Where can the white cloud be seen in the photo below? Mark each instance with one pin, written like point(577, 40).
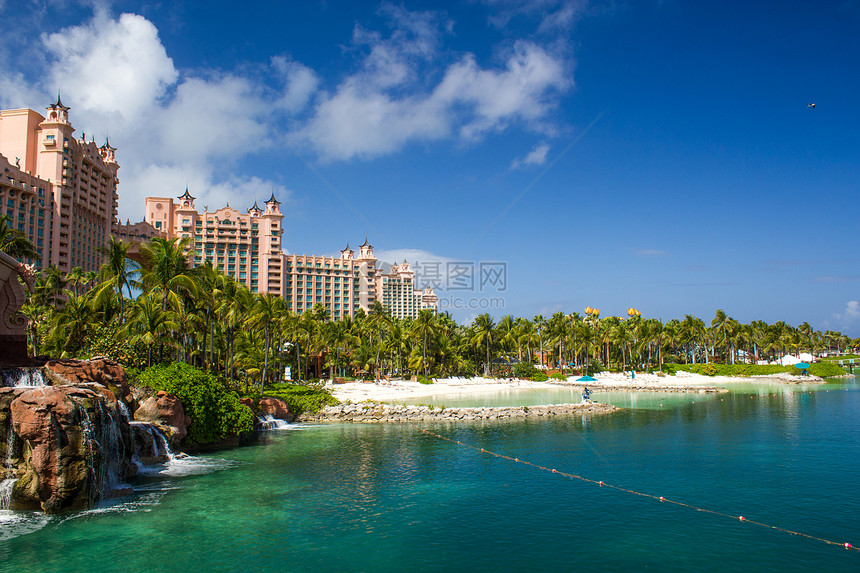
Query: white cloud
point(16, 92)
point(171, 129)
point(849, 318)
point(521, 91)
point(537, 156)
point(174, 127)
point(116, 69)
point(211, 118)
point(365, 119)
point(155, 180)
point(300, 83)
point(553, 15)
point(410, 255)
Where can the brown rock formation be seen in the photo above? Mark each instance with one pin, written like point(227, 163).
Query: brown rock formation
point(277, 408)
point(103, 371)
point(166, 411)
point(70, 444)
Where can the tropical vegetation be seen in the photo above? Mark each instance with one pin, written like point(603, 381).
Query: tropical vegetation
point(156, 308)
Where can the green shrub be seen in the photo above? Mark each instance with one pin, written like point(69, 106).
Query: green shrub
point(215, 412)
point(825, 369)
point(524, 370)
point(539, 376)
point(424, 380)
point(301, 398)
point(558, 376)
point(746, 370)
point(709, 369)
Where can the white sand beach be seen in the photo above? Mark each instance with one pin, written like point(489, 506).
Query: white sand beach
point(397, 390)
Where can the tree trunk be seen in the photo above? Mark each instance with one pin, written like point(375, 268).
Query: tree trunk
point(265, 362)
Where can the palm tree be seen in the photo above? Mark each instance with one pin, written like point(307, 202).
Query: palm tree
point(150, 324)
point(559, 326)
point(527, 337)
point(693, 333)
point(265, 315)
point(540, 323)
point(425, 326)
point(71, 325)
point(719, 328)
point(15, 243)
point(484, 329)
point(378, 318)
point(167, 270)
point(506, 333)
point(75, 277)
point(117, 271)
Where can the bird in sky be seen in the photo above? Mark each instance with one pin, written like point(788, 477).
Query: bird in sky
point(810, 105)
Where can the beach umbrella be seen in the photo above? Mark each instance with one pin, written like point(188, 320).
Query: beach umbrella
point(586, 379)
point(802, 365)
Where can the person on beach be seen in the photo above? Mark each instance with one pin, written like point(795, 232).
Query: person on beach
point(586, 394)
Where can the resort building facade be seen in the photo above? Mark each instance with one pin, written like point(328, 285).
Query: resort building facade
point(397, 291)
point(248, 247)
point(61, 192)
point(245, 246)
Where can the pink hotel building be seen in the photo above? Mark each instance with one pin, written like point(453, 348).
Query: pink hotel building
point(248, 247)
point(58, 190)
point(61, 192)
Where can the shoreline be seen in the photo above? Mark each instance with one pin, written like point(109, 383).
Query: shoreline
point(383, 401)
point(396, 391)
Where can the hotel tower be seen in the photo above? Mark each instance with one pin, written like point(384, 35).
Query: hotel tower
point(58, 190)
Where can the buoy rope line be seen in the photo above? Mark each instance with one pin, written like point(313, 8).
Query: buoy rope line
point(659, 498)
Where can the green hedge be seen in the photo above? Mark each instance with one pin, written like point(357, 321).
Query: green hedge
point(744, 370)
point(215, 411)
point(300, 398)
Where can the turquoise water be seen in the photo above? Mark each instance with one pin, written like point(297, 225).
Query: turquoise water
point(559, 395)
point(390, 498)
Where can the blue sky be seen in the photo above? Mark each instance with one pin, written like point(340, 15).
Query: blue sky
point(659, 155)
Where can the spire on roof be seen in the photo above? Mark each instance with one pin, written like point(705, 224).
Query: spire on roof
point(255, 207)
point(186, 195)
point(366, 243)
point(273, 200)
point(108, 147)
point(59, 104)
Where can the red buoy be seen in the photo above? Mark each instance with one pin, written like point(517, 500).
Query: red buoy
point(742, 518)
point(600, 483)
point(847, 546)
point(662, 498)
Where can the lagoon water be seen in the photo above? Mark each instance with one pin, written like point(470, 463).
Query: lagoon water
point(391, 498)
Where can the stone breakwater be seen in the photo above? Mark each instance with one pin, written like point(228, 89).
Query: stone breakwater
point(366, 412)
point(603, 387)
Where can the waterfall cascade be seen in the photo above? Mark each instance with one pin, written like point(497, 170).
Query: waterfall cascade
point(105, 452)
point(6, 492)
point(22, 377)
point(7, 484)
point(269, 422)
point(150, 444)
